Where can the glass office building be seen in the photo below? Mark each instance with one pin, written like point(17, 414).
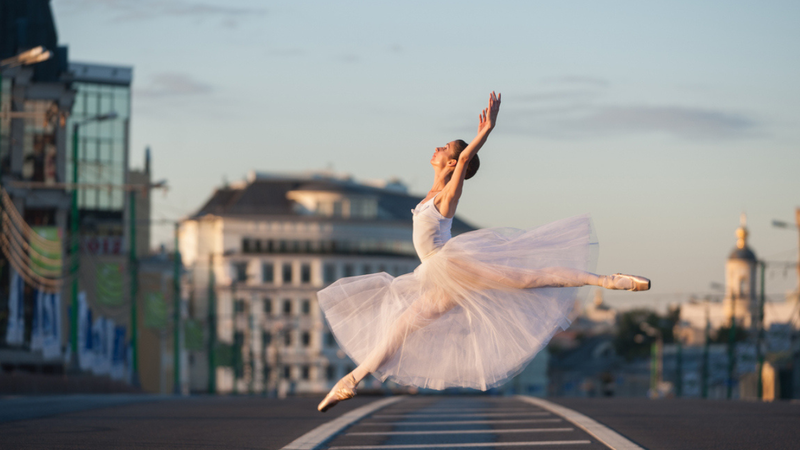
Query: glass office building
point(102, 145)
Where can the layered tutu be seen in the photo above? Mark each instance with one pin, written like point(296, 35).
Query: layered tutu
point(488, 330)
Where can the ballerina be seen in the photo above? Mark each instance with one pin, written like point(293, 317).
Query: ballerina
point(479, 306)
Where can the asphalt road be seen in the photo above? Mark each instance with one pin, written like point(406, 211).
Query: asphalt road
point(102, 422)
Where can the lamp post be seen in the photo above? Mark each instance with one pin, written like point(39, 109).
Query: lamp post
point(782, 224)
point(74, 237)
point(656, 351)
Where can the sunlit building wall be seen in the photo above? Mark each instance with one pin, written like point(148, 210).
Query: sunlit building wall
point(271, 243)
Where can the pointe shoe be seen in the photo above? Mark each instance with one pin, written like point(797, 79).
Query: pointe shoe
point(639, 283)
point(343, 390)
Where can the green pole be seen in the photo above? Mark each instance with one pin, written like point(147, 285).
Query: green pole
point(212, 329)
point(74, 252)
point(653, 368)
point(704, 385)
point(760, 335)
point(731, 350)
point(176, 335)
point(679, 375)
point(134, 286)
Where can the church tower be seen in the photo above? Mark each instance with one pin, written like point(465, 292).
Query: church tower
point(740, 281)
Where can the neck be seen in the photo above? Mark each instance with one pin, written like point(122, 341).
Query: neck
point(440, 180)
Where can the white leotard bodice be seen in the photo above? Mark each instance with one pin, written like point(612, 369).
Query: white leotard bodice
point(431, 229)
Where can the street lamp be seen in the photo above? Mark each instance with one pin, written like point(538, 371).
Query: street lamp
point(32, 56)
point(782, 224)
point(74, 251)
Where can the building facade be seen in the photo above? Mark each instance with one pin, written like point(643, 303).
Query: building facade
point(256, 254)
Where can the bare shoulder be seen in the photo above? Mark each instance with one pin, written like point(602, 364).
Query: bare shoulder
point(446, 204)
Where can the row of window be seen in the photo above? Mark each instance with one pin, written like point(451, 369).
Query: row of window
point(286, 307)
point(336, 247)
point(329, 271)
point(305, 339)
point(304, 372)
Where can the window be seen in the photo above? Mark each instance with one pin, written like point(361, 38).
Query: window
point(240, 271)
point(330, 341)
point(349, 270)
point(238, 305)
point(287, 306)
point(366, 268)
point(266, 338)
point(330, 373)
point(305, 273)
point(267, 372)
point(257, 245)
point(306, 307)
point(246, 245)
point(306, 339)
point(287, 372)
point(306, 372)
point(287, 338)
point(382, 268)
point(268, 306)
point(287, 272)
point(329, 273)
point(268, 273)
point(283, 246)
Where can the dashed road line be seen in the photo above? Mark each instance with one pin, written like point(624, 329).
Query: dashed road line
point(414, 416)
point(490, 431)
point(322, 433)
point(602, 433)
point(460, 422)
point(460, 445)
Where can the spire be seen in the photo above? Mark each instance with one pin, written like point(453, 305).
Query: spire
point(147, 159)
point(741, 232)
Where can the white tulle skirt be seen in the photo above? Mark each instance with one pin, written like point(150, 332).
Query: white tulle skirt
point(473, 326)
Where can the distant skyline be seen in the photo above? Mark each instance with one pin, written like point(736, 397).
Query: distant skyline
point(664, 121)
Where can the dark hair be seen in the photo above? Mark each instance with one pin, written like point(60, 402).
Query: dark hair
point(474, 163)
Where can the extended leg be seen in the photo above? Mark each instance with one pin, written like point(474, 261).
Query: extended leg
point(497, 277)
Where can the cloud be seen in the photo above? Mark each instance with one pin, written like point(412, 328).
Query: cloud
point(678, 121)
point(133, 10)
point(173, 84)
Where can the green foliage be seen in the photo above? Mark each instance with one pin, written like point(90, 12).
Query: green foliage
point(629, 326)
point(722, 335)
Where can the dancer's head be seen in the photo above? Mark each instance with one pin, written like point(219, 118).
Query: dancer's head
point(446, 158)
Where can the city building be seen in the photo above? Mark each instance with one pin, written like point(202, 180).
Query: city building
point(257, 252)
point(740, 300)
point(35, 101)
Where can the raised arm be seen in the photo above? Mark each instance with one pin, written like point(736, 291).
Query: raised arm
point(452, 191)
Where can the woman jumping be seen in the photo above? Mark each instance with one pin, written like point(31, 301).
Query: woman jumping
point(479, 307)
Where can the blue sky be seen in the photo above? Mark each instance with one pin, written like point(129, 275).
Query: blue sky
point(664, 121)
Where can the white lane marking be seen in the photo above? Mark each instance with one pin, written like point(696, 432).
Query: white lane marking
point(322, 433)
point(414, 416)
point(602, 433)
point(476, 445)
point(488, 431)
point(462, 410)
point(458, 422)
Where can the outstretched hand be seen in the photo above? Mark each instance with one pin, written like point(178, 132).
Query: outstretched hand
point(488, 117)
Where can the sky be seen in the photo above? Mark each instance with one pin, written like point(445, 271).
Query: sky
point(664, 121)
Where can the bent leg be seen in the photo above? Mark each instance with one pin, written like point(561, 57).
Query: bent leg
point(420, 314)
